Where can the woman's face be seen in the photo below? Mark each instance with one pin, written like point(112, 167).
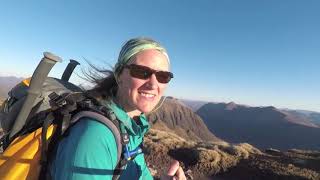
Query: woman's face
point(142, 94)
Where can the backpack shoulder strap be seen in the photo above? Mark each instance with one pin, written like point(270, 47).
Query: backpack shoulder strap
point(71, 108)
point(107, 122)
point(88, 107)
point(112, 123)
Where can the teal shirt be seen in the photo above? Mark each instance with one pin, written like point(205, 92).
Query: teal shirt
point(90, 150)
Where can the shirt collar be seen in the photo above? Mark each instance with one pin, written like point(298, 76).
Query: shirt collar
point(128, 122)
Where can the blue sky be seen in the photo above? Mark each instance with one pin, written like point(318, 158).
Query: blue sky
point(258, 53)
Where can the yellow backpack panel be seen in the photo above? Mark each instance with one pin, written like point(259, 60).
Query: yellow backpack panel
point(21, 160)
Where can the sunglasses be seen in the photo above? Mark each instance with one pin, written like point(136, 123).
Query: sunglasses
point(143, 72)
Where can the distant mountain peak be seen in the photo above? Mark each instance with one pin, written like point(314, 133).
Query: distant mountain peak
point(231, 106)
point(6, 83)
point(270, 108)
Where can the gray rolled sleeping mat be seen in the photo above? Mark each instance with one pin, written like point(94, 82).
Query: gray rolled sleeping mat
point(34, 91)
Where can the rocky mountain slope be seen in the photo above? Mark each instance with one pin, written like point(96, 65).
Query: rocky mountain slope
point(224, 161)
point(181, 120)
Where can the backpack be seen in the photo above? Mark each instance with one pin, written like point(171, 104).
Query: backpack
point(39, 112)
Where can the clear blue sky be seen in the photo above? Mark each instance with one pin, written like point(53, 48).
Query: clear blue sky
point(251, 52)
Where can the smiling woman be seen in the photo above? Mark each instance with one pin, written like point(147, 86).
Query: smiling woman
point(138, 93)
point(133, 88)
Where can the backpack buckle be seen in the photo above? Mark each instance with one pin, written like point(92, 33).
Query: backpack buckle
point(56, 100)
point(130, 155)
point(125, 138)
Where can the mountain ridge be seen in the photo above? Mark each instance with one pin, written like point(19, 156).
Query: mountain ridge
point(263, 127)
point(6, 83)
point(182, 119)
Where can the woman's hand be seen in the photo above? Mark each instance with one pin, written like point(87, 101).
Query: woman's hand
point(175, 172)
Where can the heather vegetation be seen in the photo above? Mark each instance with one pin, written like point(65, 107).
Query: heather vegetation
point(222, 160)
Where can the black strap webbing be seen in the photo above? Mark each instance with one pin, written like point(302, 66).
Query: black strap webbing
point(44, 146)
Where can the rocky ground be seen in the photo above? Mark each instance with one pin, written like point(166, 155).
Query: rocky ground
point(221, 160)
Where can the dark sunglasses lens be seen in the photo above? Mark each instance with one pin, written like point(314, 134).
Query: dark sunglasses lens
point(140, 72)
point(143, 72)
point(163, 77)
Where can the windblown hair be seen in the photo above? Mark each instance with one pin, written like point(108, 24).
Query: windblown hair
point(105, 84)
